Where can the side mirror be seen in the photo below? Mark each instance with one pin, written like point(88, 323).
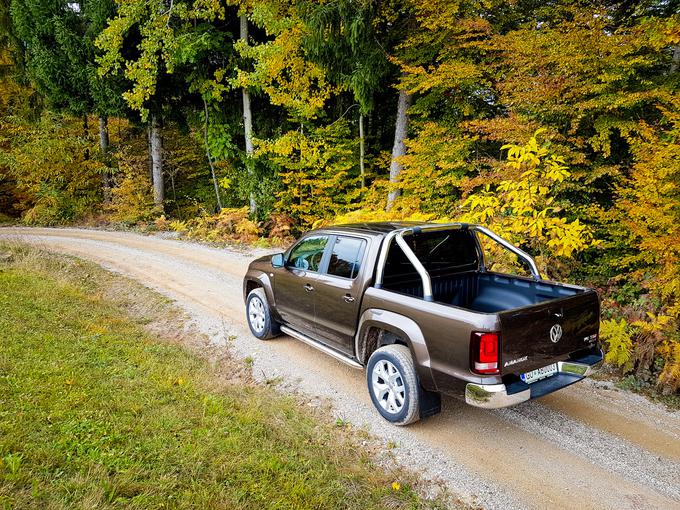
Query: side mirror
point(277, 260)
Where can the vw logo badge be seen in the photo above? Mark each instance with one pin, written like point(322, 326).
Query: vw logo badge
point(555, 333)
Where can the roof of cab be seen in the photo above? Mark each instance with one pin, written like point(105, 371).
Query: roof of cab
point(376, 228)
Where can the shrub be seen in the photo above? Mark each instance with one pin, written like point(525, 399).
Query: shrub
point(131, 198)
point(53, 167)
point(230, 225)
point(617, 336)
point(525, 207)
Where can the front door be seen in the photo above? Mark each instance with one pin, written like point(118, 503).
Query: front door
point(295, 284)
point(338, 293)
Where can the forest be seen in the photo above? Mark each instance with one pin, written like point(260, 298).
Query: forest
point(556, 123)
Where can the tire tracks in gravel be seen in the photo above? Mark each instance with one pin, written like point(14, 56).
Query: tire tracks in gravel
point(585, 446)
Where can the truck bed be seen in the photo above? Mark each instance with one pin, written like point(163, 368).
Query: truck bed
point(484, 291)
point(527, 310)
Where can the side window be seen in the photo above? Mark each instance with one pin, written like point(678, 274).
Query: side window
point(346, 257)
point(308, 253)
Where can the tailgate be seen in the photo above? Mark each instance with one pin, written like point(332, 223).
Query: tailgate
point(535, 336)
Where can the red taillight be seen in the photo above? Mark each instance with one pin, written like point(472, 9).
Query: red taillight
point(485, 349)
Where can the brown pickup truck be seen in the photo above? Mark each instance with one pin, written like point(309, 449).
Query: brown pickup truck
point(416, 306)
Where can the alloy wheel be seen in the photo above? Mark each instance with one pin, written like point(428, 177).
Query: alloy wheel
point(388, 386)
point(256, 314)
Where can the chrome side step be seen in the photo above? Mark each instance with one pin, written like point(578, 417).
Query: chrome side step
point(318, 345)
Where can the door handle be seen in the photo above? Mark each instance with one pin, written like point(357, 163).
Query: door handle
point(348, 298)
point(308, 287)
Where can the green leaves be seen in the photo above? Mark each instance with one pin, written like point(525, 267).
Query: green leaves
point(344, 38)
point(60, 53)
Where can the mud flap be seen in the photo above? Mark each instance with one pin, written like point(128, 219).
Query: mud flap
point(430, 402)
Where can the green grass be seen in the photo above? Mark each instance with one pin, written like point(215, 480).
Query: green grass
point(96, 412)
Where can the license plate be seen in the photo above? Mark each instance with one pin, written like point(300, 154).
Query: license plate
point(539, 373)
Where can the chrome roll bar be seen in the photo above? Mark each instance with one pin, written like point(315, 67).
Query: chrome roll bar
point(401, 242)
point(424, 275)
point(510, 247)
point(399, 234)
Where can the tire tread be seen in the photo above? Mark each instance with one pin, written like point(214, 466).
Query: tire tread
point(402, 354)
point(271, 326)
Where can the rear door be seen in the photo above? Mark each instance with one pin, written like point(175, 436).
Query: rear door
point(295, 284)
point(538, 335)
point(338, 293)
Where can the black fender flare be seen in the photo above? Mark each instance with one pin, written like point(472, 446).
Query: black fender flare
point(261, 279)
point(406, 329)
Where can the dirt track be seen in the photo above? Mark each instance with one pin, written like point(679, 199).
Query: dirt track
point(588, 446)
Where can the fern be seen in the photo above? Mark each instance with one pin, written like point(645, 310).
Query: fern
point(620, 344)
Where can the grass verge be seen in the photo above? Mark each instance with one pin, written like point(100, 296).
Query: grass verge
point(101, 407)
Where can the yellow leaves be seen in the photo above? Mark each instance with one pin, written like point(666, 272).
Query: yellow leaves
point(536, 227)
point(368, 215)
point(419, 80)
point(484, 205)
point(670, 375)
point(655, 323)
point(209, 9)
point(155, 51)
point(567, 238)
point(647, 216)
point(131, 199)
point(177, 226)
point(317, 170)
point(49, 165)
point(659, 333)
point(617, 335)
point(523, 207)
point(433, 168)
point(281, 70)
point(219, 75)
point(231, 225)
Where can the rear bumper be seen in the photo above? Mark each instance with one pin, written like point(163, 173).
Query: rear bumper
point(493, 396)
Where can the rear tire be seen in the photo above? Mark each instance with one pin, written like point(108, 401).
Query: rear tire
point(259, 316)
point(393, 384)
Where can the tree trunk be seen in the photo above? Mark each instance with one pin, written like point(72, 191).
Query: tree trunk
point(86, 133)
point(157, 161)
point(399, 148)
point(247, 118)
point(148, 146)
point(210, 160)
point(675, 63)
point(362, 151)
point(104, 147)
point(104, 134)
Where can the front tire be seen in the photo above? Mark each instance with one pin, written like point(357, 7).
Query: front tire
point(393, 384)
point(259, 316)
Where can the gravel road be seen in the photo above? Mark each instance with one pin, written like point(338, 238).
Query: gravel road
point(587, 446)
